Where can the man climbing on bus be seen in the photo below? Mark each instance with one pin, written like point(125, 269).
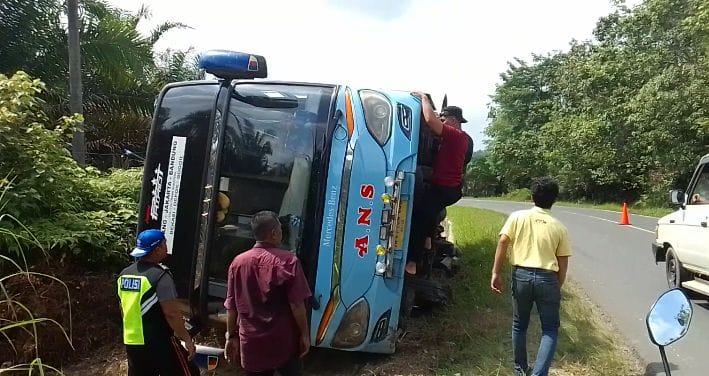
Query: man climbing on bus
point(446, 183)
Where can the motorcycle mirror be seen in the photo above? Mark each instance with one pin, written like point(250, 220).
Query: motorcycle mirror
point(668, 321)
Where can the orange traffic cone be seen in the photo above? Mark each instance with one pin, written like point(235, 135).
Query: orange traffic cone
point(624, 217)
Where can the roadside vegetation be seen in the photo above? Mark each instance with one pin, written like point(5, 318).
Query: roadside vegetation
point(623, 117)
point(22, 326)
point(524, 195)
point(478, 325)
point(64, 228)
point(61, 227)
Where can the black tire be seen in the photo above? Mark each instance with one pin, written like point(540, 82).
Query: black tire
point(408, 296)
point(674, 271)
point(442, 215)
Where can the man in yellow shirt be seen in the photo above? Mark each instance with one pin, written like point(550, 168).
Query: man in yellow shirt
point(539, 250)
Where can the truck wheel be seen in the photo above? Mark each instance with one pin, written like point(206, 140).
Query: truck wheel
point(676, 273)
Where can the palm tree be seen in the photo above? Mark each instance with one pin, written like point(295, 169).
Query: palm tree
point(78, 143)
point(121, 71)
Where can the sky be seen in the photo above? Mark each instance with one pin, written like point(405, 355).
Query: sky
point(453, 47)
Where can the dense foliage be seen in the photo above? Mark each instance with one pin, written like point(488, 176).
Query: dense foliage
point(121, 71)
point(78, 212)
point(71, 210)
point(622, 117)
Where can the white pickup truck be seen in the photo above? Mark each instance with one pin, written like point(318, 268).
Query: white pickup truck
point(682, 237)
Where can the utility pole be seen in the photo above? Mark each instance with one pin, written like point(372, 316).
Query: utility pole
point(78, 142)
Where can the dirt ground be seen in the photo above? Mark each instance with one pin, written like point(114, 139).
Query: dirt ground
point(412, 358)
point(94, 329)
point(417, 354)
point(89, 321)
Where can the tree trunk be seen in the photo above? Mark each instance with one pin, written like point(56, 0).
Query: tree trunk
point(78, 142)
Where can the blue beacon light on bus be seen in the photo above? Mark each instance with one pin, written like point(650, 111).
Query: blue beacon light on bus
point(233, 65)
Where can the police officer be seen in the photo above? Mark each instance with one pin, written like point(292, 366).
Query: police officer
point(152, 317)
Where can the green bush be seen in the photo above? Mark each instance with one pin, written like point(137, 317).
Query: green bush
point(119, 183)
point(46, 179)
point(72, 211)
point(522, 194)
point(102, 233)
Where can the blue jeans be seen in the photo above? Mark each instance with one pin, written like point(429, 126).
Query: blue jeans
point(540, 287)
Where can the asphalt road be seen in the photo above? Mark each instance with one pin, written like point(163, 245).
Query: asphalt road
point(614, 265)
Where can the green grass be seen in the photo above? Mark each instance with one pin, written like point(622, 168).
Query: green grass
point(617, 207)
point(478, 323)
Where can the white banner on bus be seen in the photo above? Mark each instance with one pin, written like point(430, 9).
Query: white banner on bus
point(172, 189)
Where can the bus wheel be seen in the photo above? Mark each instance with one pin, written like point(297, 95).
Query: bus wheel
point(442, 215)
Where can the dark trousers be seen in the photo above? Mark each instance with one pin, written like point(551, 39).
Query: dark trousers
point(167, 358)
point(425, 215)
point(293, 367)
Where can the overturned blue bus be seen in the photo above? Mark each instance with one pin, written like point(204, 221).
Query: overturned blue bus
point(339, 164)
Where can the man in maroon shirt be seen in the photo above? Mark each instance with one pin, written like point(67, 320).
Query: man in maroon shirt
point(447, 179)
point(265, 302)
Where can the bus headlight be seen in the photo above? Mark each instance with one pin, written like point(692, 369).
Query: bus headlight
point(389, 181)
point(377, 115)
point(353, 327)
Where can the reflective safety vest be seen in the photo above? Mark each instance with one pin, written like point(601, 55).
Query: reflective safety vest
point(143, 319)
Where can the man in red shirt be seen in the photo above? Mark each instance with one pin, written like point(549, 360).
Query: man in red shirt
point(267, 323)
point(447, 179)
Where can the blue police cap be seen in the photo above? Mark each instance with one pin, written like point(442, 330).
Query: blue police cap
point(148, 240)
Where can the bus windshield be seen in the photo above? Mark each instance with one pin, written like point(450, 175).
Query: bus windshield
point(270, 140)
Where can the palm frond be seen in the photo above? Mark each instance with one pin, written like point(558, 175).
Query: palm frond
point(163, 28)
point(30, 32)
point(116, 52)
point(142, 14)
